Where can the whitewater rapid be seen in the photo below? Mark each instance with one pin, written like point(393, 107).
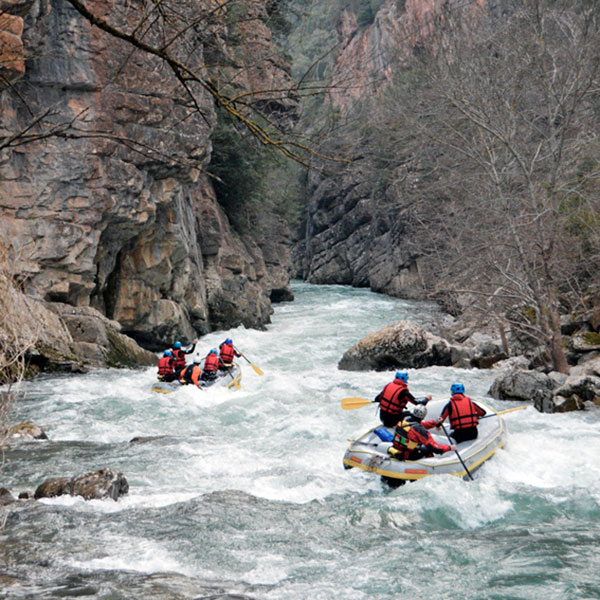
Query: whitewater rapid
point(243, 493)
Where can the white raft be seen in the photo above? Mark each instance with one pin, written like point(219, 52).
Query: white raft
point(230, 379)
point(370, 452)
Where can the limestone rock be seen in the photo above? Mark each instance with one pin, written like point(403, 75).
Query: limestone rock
point(27, 430)
point(401, 345)
point(101, 484)
point(6, 497)
point(521, 385)
point(140, 238)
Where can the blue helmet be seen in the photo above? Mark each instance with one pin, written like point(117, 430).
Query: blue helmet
point(167, 353)
point(229, 341)
point(177, 345)
point(402, 375)
point(213, 351)
point(457, 388)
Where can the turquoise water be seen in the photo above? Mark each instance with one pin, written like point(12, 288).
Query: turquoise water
point(242, 494)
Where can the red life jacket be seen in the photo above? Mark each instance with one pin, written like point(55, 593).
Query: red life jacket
point(463, 413)
point(388, 398)
point(165, 366)
point(211, 363)
point(226, 353)
point(178, 359)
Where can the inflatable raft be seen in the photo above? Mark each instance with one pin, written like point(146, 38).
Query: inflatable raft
point(230, 379)
point(369, 452)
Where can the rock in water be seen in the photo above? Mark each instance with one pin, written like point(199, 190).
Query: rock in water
point(96, 485)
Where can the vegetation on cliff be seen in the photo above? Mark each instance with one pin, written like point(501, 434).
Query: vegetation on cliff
point(480, 142)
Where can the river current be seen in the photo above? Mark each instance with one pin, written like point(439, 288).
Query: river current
point(242, 494)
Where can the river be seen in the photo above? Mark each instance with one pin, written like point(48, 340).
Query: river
point(242, 494)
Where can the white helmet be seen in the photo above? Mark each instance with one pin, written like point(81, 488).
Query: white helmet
point(419, 411)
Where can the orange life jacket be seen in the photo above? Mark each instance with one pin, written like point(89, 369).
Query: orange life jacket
point(211, 363)
point(190, 374)
point(464, 413)
point(388, 398)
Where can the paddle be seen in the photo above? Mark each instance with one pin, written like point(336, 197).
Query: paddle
point(502, 412)
point(457, 454)
point(234, 381)
point(352, 403)
point(257, 370)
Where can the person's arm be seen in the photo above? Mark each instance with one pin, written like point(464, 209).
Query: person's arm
point(444, 414)
point(480, 412)
point(410, 398)
point(192, 348)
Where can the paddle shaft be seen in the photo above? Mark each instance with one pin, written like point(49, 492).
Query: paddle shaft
point(502, 412)
point(457, 454)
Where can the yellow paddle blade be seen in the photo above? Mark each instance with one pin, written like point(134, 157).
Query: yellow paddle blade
point(257, 370)
point(161, 390)
point(352, 403)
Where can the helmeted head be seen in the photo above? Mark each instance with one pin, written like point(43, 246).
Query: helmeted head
point(457, 388)
point(197, 360)
point(167, 353)
point(419, 412)
point(213, 351)
point(177, 345)
point(402, 376)
point(229, 341)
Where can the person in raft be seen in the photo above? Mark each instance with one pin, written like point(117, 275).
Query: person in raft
point(179, 355)
point(211, 365)
point(412, 440)
point(227, 353)
point(463, 413)
point(393, 399)
point(192, 373)
point(166, 369)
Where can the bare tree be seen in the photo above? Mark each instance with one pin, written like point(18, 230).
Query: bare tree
point(15, 343)
point(500, 131)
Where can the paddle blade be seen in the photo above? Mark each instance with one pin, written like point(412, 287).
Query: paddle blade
point(161, 390)
point(256, 369)
point(352, 403)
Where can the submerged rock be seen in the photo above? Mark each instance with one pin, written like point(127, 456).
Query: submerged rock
point(104, 483)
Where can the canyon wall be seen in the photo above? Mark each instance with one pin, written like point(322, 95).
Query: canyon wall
point(111, 207)
point(357, 232)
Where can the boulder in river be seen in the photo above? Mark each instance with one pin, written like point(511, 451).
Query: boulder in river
point(402, 345)
point(28, 430)
point(104, 483)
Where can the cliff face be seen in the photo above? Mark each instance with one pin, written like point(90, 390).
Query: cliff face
point(132, 229)
point(354, 233)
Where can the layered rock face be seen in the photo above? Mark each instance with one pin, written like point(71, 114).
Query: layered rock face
point(354, 234)
point(132, 229)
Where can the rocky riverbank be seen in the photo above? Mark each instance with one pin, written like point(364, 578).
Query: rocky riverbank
point(521, 375)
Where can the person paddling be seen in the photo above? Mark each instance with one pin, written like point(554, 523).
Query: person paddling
point(179, 355)
point(393, 399)
point(211, 365)
point(166, 369)
point(192, 373)
point(412, 440)
point(463, 413)
point(227, 353)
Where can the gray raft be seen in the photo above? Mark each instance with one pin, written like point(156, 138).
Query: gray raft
point(231, 379)
point(369, 452)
